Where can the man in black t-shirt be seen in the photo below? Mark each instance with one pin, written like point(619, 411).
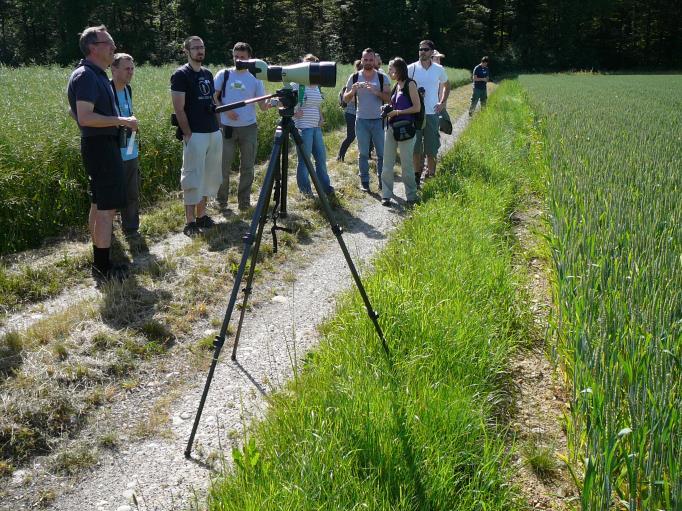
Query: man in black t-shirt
point(92, 105)
point(192, 92)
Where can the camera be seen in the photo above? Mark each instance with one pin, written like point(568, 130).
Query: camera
point(305, 73)
point(123, 136)
point(385, 110)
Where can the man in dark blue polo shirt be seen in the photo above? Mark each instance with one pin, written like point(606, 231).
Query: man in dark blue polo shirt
point(480, 77)
point(93, 106)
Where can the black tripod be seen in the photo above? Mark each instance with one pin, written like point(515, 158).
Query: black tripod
point(275, 178)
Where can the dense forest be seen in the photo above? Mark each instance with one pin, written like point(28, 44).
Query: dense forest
point(517, 34)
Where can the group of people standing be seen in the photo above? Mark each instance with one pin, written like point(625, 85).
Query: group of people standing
point(103, 109)
point(368, 90)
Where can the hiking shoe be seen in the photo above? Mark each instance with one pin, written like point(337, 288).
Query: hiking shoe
point(364, 186)
point(205, 222)
point(191, 229)
point(244, 207)
point(386, 202)
point(131, 235)
point(331, 190)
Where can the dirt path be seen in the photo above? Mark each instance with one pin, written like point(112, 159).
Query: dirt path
point(540, 400)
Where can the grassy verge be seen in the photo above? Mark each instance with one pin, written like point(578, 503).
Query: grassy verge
point(425, 427)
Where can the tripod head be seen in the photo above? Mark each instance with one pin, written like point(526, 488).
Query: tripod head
point(288, 98)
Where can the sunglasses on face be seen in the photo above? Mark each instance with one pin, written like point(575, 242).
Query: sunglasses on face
point(424, 49)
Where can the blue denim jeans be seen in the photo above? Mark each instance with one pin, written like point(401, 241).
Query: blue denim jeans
point(313, 144)
point(366, 130)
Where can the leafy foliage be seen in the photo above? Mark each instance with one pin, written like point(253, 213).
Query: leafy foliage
point(530, 34)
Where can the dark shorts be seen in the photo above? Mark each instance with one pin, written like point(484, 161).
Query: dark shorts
point(102, 161)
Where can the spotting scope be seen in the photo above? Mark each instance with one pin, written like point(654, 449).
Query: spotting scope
point(305, 73)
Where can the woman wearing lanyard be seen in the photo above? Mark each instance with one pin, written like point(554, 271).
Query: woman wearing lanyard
point(122, 70)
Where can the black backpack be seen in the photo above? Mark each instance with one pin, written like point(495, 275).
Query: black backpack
point(343, 104)
point(225, 79)
point(420, 119)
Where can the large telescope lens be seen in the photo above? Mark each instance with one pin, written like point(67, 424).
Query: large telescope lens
point(323, 74)
point(306, 73)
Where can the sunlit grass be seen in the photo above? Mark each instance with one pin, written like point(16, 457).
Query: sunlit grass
point(422, 428)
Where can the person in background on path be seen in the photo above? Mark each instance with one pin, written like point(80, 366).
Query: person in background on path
point(370, 94)
point(202, 144)
point(308, 119)
point(405, 105)
point(122, 70)
point(92, 105)
point(480, 77)
point(239, 125)
point(430, 76)
point(349, 114)
point(378, 63)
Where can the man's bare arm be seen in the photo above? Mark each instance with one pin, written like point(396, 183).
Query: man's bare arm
point(87, 116)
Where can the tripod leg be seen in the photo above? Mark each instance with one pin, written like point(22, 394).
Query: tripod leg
point(249, 280)
point(336, 229)
point(249, 238)
point(284, 176)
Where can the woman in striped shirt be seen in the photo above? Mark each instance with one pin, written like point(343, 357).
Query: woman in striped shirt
point(308, 119)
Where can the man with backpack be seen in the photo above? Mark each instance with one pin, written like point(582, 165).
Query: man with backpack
point(239, 125)
point(369, 89)
point(192, 93)
point(429, 76)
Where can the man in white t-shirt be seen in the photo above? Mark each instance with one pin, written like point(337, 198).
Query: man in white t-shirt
point(430, 76)
point(239, 125)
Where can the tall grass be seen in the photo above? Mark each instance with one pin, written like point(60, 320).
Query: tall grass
point(423, 428)
point(615, 150)
point(43, 187)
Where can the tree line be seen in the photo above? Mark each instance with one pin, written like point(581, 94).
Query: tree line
point(516, 34)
